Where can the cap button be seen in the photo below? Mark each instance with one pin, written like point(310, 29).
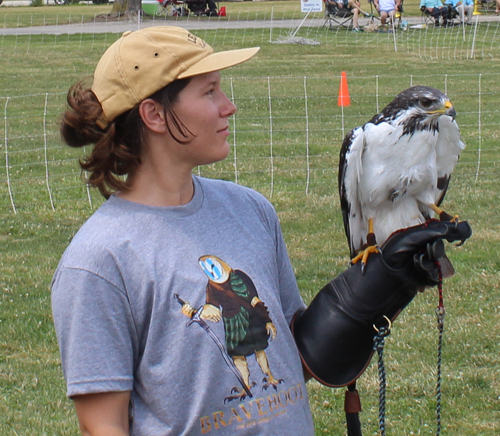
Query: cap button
point(128, 32)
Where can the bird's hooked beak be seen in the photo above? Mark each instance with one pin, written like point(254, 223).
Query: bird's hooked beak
point(446, 109)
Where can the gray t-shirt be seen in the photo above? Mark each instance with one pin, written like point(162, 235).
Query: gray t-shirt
point(120, 328)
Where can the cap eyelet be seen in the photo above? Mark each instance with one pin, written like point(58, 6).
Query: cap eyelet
point(156, 55)
point(136, 68)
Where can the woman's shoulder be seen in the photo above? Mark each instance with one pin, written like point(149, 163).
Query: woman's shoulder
point(231, 189)
point(97, 238)
point(221, 195)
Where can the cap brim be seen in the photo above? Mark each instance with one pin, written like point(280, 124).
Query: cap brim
point(219, 61)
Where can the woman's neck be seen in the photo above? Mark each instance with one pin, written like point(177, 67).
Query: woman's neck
point(160, 183)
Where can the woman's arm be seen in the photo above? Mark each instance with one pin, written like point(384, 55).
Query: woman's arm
point(104, 414)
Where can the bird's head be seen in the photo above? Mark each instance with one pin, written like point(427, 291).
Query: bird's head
point(215, 268)
point(418, 108)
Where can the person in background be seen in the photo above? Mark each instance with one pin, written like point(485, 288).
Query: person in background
point(353, 6)
point(463, 8)
point(387, 9)
point(435, 9)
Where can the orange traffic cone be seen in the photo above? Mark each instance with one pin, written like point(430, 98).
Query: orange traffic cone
point(344, 99)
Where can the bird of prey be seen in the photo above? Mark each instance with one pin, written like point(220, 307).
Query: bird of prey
point(394, 170)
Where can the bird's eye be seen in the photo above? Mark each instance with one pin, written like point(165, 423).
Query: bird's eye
point(426, 103)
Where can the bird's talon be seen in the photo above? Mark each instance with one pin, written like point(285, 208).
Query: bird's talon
point(363, 266)
point(271, 382)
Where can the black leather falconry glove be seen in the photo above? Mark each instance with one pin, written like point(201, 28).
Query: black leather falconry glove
point(335, 333)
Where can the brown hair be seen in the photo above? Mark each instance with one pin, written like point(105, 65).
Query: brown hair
point(117, 149)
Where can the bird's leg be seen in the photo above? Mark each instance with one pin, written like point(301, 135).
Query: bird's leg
point(443, 216)
point(240, 394)
point(269, 380)
point(371, 247)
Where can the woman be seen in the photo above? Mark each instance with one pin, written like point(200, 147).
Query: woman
point(168, 247)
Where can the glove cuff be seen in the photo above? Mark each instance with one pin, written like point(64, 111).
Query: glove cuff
point(335, 333)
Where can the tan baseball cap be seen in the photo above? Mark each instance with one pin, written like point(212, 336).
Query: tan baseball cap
point(143, 62)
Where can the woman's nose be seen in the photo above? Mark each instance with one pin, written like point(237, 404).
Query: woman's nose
point(228, 107)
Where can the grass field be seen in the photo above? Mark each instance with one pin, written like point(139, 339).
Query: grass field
point(272, 93)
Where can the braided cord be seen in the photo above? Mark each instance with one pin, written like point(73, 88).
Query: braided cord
point(440, 312)
point(378, 345)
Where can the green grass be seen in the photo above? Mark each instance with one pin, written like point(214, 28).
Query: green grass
point(36, 72)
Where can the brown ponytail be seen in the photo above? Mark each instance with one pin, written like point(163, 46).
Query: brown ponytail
point(117, 149)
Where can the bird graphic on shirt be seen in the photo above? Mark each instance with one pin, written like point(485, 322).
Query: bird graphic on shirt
point(394, 170)
point(231, 296)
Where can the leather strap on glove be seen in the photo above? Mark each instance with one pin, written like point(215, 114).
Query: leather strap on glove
point(335, 333)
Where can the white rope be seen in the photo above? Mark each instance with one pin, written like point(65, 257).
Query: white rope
point(300, 25)
point(271, 158)
point(271, 25)
point(87, 186)
point(479, 145)
point(393, 22)
point(7, 169)
point(235, 154)
point(474, 38)
point(307, 136)
point(45, 152)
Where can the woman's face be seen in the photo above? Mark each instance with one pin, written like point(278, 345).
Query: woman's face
point(204, 109)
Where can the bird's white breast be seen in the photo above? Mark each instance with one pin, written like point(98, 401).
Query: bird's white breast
point(396, 166)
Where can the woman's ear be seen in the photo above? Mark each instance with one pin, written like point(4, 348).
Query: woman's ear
point(153, 115)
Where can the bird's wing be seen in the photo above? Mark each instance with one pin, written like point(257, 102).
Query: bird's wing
point(350, 170)
point(448, 149)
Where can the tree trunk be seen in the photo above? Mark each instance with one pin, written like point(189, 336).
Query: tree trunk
point(126, 7)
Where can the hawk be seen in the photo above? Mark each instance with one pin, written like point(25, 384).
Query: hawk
point(394, 170)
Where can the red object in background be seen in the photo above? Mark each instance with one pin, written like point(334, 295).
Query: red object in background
point(222, 11)
point(344, 99)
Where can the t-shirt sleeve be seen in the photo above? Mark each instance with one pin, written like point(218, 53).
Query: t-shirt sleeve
point(95, 331)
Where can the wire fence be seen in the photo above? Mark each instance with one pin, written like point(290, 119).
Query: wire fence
point(288, 130)
point(286, 135)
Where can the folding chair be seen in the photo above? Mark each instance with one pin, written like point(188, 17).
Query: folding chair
point(427, 18)
point(397, 17)
point(336, 16)
point(373, 10)
point(453, 16)
point(486, 5)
